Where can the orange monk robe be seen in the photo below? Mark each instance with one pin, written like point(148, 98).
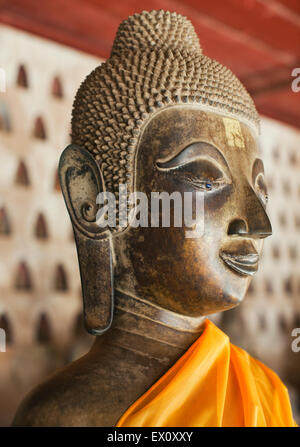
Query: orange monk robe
point(214, 384)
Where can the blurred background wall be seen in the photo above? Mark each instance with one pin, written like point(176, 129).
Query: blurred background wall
point(46, 51)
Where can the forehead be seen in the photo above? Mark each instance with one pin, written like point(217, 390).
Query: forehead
point(174, 128)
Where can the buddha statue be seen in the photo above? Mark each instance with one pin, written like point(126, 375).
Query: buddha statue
point(159, 116)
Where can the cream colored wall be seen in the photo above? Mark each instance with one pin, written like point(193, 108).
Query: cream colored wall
point(43, 61)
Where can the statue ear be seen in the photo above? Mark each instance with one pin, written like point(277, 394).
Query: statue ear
point(81, 181)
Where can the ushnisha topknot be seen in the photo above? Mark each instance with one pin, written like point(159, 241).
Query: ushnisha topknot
point(158, 30)
point(156, 61)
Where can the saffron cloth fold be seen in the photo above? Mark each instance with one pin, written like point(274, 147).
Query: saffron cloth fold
point(214, 384)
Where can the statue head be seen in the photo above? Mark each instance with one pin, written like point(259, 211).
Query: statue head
point(159, 116)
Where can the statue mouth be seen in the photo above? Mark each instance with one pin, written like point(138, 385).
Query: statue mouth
point(244, 264)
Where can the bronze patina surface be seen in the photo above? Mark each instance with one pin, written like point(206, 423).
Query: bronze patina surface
point(147, 290)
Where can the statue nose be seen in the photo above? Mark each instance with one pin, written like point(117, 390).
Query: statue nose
point(260, 227)
point(237, 227)
point(251, 219)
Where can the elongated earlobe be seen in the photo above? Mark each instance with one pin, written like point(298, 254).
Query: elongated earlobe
point(96, 271)
point(81, 182)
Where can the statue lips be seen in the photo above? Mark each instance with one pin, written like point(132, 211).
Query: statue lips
point(243, 259)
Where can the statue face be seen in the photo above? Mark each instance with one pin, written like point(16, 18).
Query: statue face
point(185, 149)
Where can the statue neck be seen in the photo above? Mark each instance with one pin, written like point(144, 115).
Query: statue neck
point(150, 330)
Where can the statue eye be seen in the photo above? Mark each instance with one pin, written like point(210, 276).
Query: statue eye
point(203, 175)
point(261, 189)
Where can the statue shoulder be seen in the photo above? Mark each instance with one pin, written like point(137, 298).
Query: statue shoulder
point(87, 392)
point(67, 398)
